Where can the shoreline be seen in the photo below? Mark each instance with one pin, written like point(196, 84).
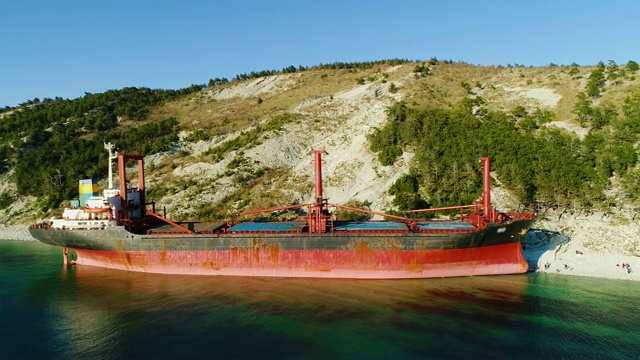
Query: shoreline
point(553, 253)
point(545, 250)
point(15, 233)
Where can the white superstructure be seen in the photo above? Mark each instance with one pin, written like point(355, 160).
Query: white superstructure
point(99, 212)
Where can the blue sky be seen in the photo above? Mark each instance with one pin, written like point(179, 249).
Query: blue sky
point(66, 48)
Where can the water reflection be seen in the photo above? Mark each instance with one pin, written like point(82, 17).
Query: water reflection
point(110, 289)
point(102, 311)
point(86, 312)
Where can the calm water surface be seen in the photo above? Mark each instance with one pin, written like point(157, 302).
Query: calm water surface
point(48, 311)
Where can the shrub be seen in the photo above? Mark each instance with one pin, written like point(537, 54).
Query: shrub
point(350, 215)
point(389, 155)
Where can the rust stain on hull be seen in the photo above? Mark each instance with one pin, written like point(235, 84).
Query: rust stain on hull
point(362, 262)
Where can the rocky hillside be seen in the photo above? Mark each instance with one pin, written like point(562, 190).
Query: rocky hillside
point(337, 116)
point(247, 144)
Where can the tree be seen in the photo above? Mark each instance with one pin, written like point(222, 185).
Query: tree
point(604, 116)
point(596, 80)
point(217, 82)
point(543, 116)
point(421, 70)
point(613, 72)
point(5, 154)
point(528, 124)
point(466, 86)
point(349, 215)
point(398, 111)
point(631, 111)
point(593, 90)
point(631, 185)
point(389, 155)
point(574, 70)
point(582, 108)
point(405, 190)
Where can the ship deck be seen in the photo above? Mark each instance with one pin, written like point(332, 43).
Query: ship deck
point(199, 227)
point(301, 226)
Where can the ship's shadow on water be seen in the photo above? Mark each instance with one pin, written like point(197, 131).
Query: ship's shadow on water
point(538, 242)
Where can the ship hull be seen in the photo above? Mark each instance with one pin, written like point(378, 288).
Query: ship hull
point(364, 264)
point(490, 251)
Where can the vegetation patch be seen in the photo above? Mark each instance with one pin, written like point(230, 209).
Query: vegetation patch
point(545, 165)
point(353, 215)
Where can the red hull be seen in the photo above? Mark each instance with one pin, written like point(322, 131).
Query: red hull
point(360, 264)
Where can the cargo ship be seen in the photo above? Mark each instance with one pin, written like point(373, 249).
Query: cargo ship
point(121, 230)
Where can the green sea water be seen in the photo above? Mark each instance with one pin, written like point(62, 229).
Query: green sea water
point(48, 311)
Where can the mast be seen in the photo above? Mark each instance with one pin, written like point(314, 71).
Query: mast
point(318, 171)
point(486, 189)
point(317, 212)
point(112, 156)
